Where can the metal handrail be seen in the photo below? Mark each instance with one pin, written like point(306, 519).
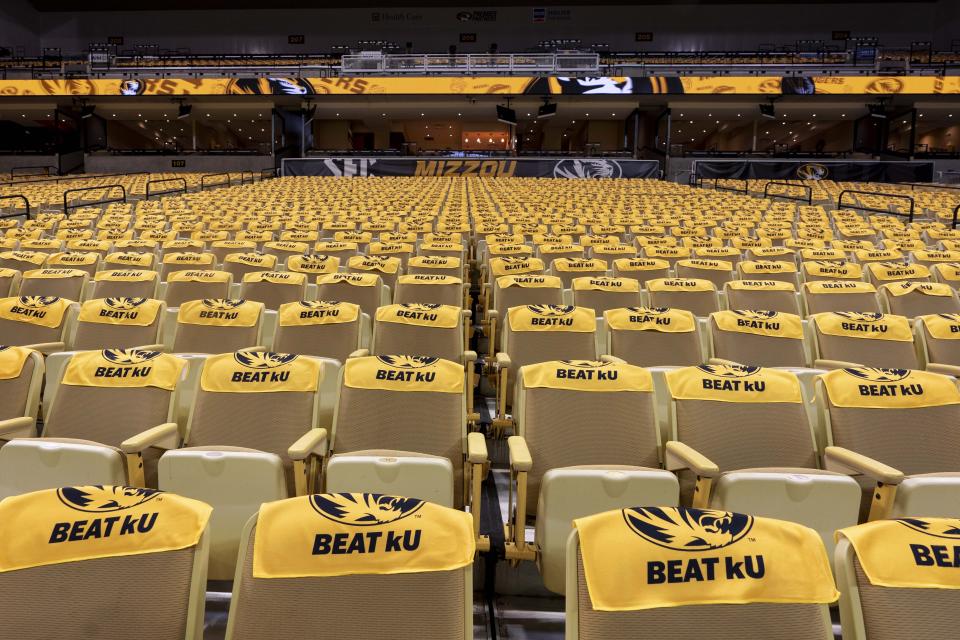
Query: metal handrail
point(78, 177)
point(26, 204)
point(203, 180)
point(66, 208)
point(161, 193)
point(265, 173)
point(46, 166)
point(805, 187)
point(909, 215)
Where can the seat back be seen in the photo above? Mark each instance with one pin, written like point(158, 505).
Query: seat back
point(119, 323)
point(939, 336)
point(653, 337)
point(129, 260)
point(431, 597)
point(771, 295)
point(22, 260)
point(168, 560)
point(817, 270)
point(569, 268)
point(883, 272)
point(315, 264)
point(186, 261)
point(183, 286)
point(762, 338)
point(603, 293)
point(86, 261)
point(363, 289)
point(608, 551)
point(61, 283)
point(780, 270)
point(9, 282)
point(695, 295)
point(274, 288)
point(512, 291)
point(869, 339)
point(21, 376)
point(719, 272)
point(836, 295)
point(125, 283)
point(429, 289)
point(423, 329)
point(540, 333)
point(27, 320)
point(643, 269)
point(912, 299)
point(240, 264)
point(319, 328)
point(388, 268)
point(222, 248)
point(435, 264)
point(217, 325)
point(283, 249)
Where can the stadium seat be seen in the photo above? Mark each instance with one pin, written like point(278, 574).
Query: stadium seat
point(837, 295)
point(42, 323)
point(22, 260)
point(719, 272)
point(693, 294)
point(435, 264)
point(124, 283)
point(654, 337)
point(431, 289)
point(319, 328)
point(183, 286)
point(762, 338)
point(77, 260)
point(9, 282)
point(240, 264)
point(912, 299)
point(313, 264)
point(364, 289)
point(185, 261)
point(515, 290)
point(643, 269)
point(780, 270)
point(388, 267)
point(129, 260)
point(120, 323)
point(770, 295)
point(222, 248)
point(568, 269)
point(218, 325)
point(61, 283)
point(866, 339)
point(880, 273)
point(21, 379)
point(274, 288)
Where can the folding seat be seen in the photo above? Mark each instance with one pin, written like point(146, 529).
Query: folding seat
point(438, 248)
point(81, 261)
point(274, 288)
point(643, 269)
point(728, 254)
point(42, 245)
point(319, 328)
point(550, 252)
point(342, 250)
point(124, 283)
point(126, 246)
point(364, 289)
point(611, 252)
point(217, 325)
point(775, 253)
point(130, 260)
point(931, 258)
point(840, 295)
point(947, 273)
point(168, 560)
point(603, 293)
point(120, 323)
point(569, 268)
point(21, 377)
point(782, 271)
point(260, 237)
point(537, 333)
point(196, 285)
point(240, 264)
point(896, 429)
point(22, 260)
point(912, 299)
point(755, 337)
point(816, 270)
point(771, 295)
point(505, 266)
point(61, 283)
point(285, 249)
point(96, 246)
point(887, 593)
point(81, 431)
point(222, 248)
point(880, 273)
point(9, 282)
point(313, 264)
point(400, 250)
point(431, 289)
point(426, 589)
point(181, 245)
point(693, 294)
point(865, 339)
point(653, 337)
point(937, 338)
point(621, 580)
point(42, 323)
point(185, 261)
point(718, 272)
point(671, 255)
point(742, 440)
point(514, 290)
point(388, 268)
point(560, 461)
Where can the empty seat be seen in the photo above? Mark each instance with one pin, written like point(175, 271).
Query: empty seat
point(771, 295)
point(196, 285)
point(427, 329)
point(569, 268)
point(342, 250)
point(515, 290)
point(782, 270)
point(388, 268)
point(948, 273)
point(274, 288)
point(426, 588)
point(653, 337)
point(432, 264)
point(363, 289)
point(321, 328)
point(61, 283)
point(912, 299)
point(42, 322)
point(222, 248)
point(130, 260)
point(147, 540)
point(603, 293)
point(240, 264)
point(9, 282)
point(814, 270)
point(185, 261)
point(693, 294)
point(938, 336)
point(284, 249)
point(79, 260)
point(21, 376)
point(867, 339)
point(400, 250)
point(217, 325)
point(430, 289)
point(316, 264)
point(22, 260)
point(840, 295)
point(616, 589)
point(119, 323)
point(754, 337)
point(882, 272)
point(718, 272)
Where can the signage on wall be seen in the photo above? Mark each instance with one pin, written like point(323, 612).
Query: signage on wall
point(468, 37)
point(644, 36)
point(297, 39)
point(178, 164)
point(116, 40)
point(477, 16)
point(841, 35)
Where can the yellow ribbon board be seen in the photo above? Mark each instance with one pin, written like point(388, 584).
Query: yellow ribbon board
point(73, 524)
point(277, 277)
point(529, 282)
point(509, 265)
point(135, 312)
point(586, 375)
point(317, 264)
point(404, 373)
point(603, 283)
point(442, 316)
point(760, 285)
point(342, 534)
point(897, 271)
point(12, 360)
point(755, 267)
point(680, 284)
point(902, 288)
point(875, 388)
point(311, 312)
point(867, 325)
point(220, 312)
point(908, 553)
point(260, 372)
point(550, 317)
point(387, 265)
point(653, 557)
point(659, 319)
point(733, 383)
point(761, 323)
point(354, 279)
point(942, 326)
point(45, 311)
point(124, 368)
point(640, 264)
point(838, 270)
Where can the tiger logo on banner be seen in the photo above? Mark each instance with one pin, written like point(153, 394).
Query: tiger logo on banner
point(263, 359)
point(104, 499)
point(688, 529)
point(364, 509)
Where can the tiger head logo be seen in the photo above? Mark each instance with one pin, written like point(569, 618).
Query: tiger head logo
point(420, 306)
point(754, 314)
point(729, 370)
point(812, 171)
point(936, 527)
point(103, 498)
point(653, 311)
point(320, 304)
point(222, 304)
point(128, 356)
point(684, 529)
point(35, 302)
point(950, 317)
point(263, 359)
point(860, 316)
point(364, 509)
point(407, 362)
point(877, 374)
point(124, 304)
point(550, 309)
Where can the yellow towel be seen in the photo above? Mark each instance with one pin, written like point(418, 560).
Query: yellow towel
point(310, 312)
point(551, 317)
point(734, 383)
point(404, 373)
point(659, 319)
point(260, 372)
point(45, 311)
point(441, 316)
point(137, 312)
point(124, 368)
point(220, 312)
point(762, 323)
point(12, 360)
point(875, 388)
point(586, 375)
point(867, 325)
point(943, 326)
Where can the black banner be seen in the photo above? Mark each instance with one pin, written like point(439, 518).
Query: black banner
point(842, 171)
point(575, 168)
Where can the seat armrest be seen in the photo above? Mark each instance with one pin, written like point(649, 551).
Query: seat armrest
point(612, 359)
point(476, 448)
point(492, 313)
point(469, 356)
point(10, 427)
point(359, 353)
point(163, 436)
point(679, 456)
point(46, 347)
point(822, 363)
point(313, 442)
point(944, 369)
point(520, 459)
point(850, 462)
point(503, 360)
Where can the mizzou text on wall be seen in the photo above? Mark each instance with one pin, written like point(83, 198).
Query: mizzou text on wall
point(574, 168)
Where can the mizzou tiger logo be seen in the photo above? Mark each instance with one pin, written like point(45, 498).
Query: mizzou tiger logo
point(586, 364)
point(948, 528)
point(420, 306)
point(812, 171)
point(754, 314)
point(263, 359)
point(950, 317)
point(550, 309)
point(653, 311)
point(729, 370)
point(683, 529)
point(320, 304)
point(222, 304)
point(860, 316)
point(36, 302)
point(407, 362)
point(128, 356)
point(102, 499)
point(124, 304)
point(877, 374)
point(364, 509)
